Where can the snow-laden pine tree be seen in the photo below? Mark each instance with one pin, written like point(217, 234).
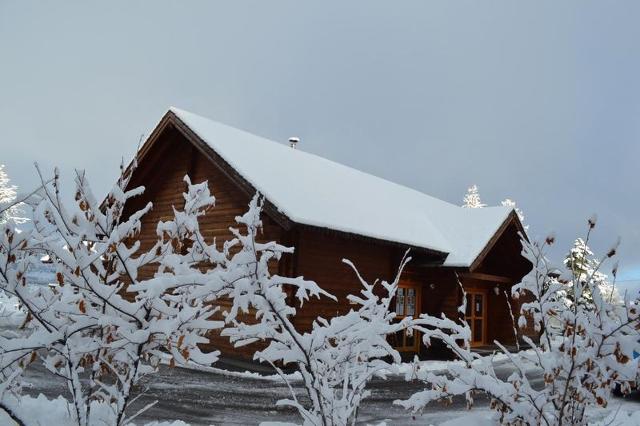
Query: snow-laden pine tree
point(8, 211)
point(8, 194)
point(583, 352)
point(471, 199)
point(583, 264)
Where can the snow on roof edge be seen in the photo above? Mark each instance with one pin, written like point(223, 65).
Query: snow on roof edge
point(305, 221)
point(455, 258)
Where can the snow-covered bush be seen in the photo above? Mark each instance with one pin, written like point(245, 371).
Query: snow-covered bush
point(101, 327)
point(92, 328)
point(581, 360)
point(42, 411)
point(11, 315)
point(336, 359)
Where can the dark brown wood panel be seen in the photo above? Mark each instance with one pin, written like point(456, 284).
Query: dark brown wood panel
point(319, 259)
point(318, 255)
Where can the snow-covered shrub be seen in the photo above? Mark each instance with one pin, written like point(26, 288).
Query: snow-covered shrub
point(101, 327)
point(93, 328)
point(11, 314)
point(584, 351)
point(59, 412)
point(336, 359)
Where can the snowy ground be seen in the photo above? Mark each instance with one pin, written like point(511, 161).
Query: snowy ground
point(204, 398)
point(219, 397)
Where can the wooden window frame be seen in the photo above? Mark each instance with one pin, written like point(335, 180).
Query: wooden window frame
point(415, 347)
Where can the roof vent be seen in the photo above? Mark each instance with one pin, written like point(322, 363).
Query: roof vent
point(293, 141)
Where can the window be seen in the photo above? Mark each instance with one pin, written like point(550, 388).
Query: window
point(400, 302)
point(406, 305)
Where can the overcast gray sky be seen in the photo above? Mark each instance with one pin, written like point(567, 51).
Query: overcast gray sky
point(538, 102)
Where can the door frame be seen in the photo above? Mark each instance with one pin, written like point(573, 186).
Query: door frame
point(473, 291)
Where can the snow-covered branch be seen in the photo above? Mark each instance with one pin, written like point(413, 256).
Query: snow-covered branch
point(96, 326)
point(337, 358)
point(583, 352)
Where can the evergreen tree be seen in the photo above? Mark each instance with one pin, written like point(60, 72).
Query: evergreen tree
point(472, 199)
point(8, 195)
point(584, 265)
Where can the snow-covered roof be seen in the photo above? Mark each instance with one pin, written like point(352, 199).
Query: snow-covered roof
point(312, 190)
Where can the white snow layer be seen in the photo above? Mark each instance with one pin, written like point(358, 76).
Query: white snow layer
point(44, 411)
point(11, 316)
point(312, 190)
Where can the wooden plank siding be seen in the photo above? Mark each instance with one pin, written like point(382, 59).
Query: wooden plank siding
point(165, 190)
point(319, 259)
point(440, 290)
point(318, 252)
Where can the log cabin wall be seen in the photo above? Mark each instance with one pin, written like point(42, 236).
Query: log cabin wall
point(440, 290)
point(318, 252)
point(440, 294)
point(500, 321)
point(319, 257)
point(162, 174)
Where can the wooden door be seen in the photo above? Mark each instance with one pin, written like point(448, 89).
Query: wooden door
point(407, 304)
point(476, 315)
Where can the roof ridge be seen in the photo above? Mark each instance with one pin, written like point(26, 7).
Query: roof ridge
point(347, 199)
point(179, 112)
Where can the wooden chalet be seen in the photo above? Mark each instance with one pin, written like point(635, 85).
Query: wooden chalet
point(328, 212)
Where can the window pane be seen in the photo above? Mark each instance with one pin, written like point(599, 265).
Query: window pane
point(411, 302)
point(478, 304)
point(477, 330)
point(400, 302)
point(410, 340)
point(469, 303)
